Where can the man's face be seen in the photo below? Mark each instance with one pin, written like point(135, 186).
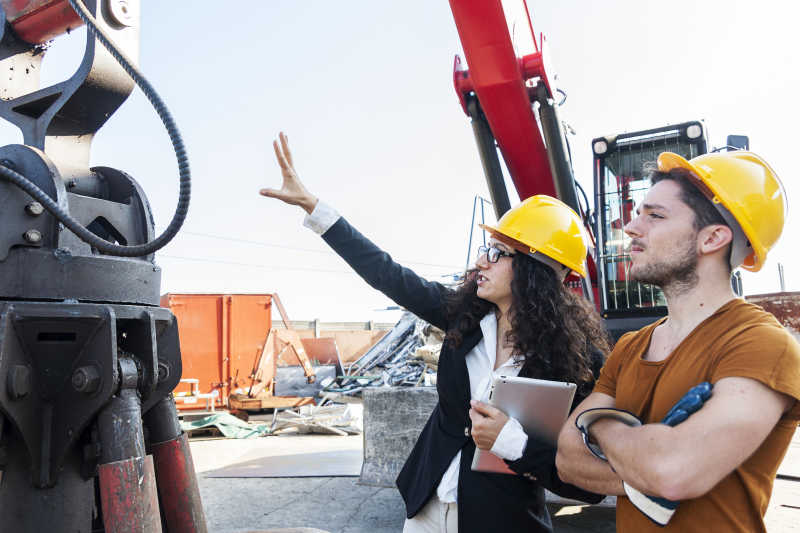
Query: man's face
point(664, 241)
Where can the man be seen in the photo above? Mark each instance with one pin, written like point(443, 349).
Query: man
point(700, 219)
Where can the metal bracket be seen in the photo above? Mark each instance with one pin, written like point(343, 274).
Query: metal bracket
point(62, 119)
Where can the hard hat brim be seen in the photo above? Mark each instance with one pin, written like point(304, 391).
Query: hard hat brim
point(525, 249)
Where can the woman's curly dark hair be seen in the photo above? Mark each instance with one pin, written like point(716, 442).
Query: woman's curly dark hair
point(553, 331)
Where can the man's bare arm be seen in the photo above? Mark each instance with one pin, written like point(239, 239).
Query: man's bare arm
point(576, 464)
point(688, 460)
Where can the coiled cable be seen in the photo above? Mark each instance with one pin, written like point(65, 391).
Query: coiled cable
point(177, 143)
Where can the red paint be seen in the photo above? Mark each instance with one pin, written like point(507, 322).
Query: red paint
point(38, 21)
point(128, 496)
point(177, 484)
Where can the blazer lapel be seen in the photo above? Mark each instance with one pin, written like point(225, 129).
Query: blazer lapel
point(460, 374)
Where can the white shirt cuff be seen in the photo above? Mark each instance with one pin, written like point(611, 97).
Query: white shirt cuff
point(321, 218)
point(511, 441)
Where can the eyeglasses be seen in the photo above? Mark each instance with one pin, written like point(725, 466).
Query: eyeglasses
point(493, 253)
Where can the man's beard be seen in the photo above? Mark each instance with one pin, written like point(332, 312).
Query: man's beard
point(675, 276)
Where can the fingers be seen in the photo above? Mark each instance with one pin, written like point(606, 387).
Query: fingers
point(286, 151)
point(475, 417)
point(270, 193)
point(484, 409)
point(279, 156)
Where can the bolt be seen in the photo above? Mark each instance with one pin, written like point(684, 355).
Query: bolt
point(33, 236)
point(121, 12)
point(18, 382)
point(163, 371)
point(8, 163)
point(86, 379)
point(34, 209)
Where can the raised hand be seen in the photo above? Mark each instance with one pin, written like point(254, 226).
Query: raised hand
point(292, 190)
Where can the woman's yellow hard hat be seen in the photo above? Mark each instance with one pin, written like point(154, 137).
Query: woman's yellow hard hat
point(747, 187)
point(545, 225)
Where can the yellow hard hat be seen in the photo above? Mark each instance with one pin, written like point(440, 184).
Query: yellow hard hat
point(543, 225)
point(748, 189)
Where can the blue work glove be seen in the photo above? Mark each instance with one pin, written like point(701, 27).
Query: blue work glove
point(691, 402)
point(659, 510)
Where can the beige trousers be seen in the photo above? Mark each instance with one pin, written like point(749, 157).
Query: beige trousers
point(435, 517)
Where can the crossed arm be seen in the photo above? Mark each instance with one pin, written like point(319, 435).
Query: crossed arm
point(667, 461)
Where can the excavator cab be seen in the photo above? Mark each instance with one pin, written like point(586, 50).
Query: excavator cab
point(620, 184)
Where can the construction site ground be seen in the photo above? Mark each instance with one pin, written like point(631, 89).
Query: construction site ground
point(342, 505)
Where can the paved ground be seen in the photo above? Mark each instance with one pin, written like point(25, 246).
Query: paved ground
point(341, 505)
point(337, 505)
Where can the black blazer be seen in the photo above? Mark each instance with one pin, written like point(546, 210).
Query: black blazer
point(486, 502)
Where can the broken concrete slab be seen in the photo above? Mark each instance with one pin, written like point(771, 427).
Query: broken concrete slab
point(393, 419)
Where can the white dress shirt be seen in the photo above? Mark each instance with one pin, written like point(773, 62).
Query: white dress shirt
point(481, 360)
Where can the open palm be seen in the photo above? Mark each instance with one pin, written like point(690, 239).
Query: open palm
point(292, 190)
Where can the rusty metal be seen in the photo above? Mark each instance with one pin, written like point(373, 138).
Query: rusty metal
point(784, 305)
point(128, 496)
point(177, 483)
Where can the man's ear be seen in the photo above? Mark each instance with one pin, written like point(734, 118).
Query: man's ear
point(713, 238)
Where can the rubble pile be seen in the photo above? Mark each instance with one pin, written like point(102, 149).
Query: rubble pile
point(407, 356)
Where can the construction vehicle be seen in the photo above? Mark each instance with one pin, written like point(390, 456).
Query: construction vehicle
point(89, 434)
point(512, 101)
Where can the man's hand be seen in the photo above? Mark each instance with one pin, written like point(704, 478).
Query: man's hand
point(487, 422)
point(292, 190)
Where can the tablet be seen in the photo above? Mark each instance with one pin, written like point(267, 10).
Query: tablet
point(540, 406)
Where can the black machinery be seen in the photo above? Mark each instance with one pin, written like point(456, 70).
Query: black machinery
point(89, 435)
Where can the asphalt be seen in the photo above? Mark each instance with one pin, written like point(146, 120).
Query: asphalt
point(342, 505)
point(331, 504)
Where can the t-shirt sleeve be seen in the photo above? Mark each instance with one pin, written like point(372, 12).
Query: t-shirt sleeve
point(767, 354)
point(607, 382)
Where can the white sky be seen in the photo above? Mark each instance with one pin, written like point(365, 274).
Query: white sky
point(364, 90)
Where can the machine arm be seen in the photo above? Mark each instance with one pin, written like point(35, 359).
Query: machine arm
point(500, 91)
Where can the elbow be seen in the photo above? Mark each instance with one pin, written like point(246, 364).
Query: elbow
point(677, 482)
point(562, 467)
point(565, 461)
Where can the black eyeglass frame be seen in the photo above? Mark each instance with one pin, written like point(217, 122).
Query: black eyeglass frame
point(493, 253)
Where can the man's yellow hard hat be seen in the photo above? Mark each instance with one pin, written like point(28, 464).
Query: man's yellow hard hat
point(747, 187)
point(543, 225)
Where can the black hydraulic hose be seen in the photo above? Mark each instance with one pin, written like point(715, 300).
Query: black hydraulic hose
point(177, 143)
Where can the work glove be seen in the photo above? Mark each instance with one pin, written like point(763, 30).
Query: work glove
point(659, 510)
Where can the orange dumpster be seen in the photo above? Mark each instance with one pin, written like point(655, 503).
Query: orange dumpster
point(222, 337)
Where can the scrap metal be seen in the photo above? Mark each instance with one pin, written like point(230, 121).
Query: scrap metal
point(407, 356)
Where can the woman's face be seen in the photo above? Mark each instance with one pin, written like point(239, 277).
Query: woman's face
point(494, 279)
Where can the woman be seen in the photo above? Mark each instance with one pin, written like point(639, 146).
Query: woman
point(511, 316)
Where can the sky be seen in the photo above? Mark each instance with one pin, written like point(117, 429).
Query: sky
point(364, 91)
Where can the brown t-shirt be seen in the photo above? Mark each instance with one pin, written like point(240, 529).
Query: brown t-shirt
point(738, 340)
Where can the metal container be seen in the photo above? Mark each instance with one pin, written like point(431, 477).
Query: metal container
point(222, 336)
point(784, 305)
